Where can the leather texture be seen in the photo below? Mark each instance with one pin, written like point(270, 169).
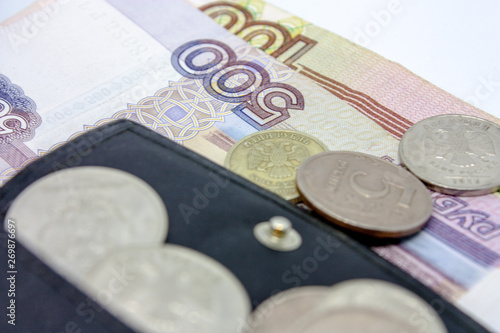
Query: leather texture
point(210, 210)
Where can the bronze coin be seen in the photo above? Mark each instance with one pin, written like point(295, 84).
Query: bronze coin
point(271, 158)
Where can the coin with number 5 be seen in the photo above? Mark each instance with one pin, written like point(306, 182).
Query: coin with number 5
point(364, 193)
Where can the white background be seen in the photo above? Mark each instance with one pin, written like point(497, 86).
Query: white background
point(453, 44)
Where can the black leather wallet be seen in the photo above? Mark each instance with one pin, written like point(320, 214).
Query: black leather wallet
point(210, 210)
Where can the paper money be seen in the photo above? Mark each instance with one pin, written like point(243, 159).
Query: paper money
point(165, 65)
point(68, 67)
point(383, 90)
point(460, 246)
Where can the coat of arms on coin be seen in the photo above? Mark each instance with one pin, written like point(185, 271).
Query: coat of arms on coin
point(271, 159)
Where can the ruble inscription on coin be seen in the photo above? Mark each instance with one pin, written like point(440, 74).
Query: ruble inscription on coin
point(364, 193)
point(169, 288)
point(72, 218)
point(454, 154)
point(271, 158)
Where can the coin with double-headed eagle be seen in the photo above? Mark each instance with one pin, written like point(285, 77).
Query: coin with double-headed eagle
point(271, 159)
point(454, 154)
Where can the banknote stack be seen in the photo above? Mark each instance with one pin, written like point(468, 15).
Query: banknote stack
point(207, 74)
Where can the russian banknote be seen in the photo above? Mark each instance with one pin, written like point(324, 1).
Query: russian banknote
point(460, 246)
point(69, 67)
point(383, 90)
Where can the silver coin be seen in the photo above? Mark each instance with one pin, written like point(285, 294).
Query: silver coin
point(370, 306)
point(364, 193)
point(72, 218)
point(169, 289)
point(280, 312)
point(454, 154)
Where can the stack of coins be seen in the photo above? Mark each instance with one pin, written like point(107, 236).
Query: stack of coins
point(452, 154)
point(91, 223)
point(104, 231)
point(354, 190)
point(354, 306)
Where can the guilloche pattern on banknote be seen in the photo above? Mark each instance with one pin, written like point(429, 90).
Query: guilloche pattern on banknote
point(18, 121)
point(158, 83)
